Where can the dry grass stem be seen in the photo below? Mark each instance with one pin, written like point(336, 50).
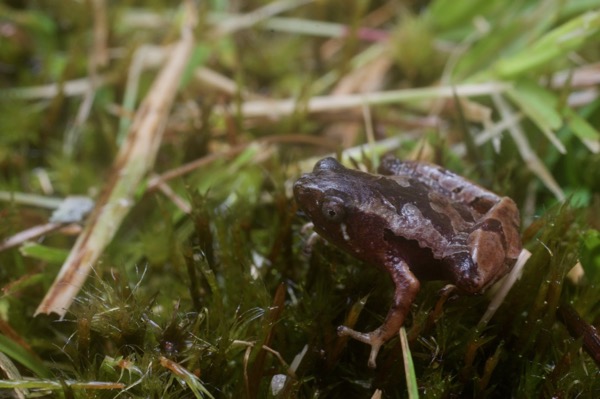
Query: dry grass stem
point(29, 234)
point(504, 287)
point(528, 155)
point(70, 88)
point(278, 108)
point(145, 56)
point(134, 160)
point(179, 202)
point(261, 148)
point(245, 21)
point(490, 133)
point(189, 167)
point(100, 47)
point(41, 201)
point(218, 82)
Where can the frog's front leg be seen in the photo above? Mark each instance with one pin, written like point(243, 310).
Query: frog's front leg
point(407, 287)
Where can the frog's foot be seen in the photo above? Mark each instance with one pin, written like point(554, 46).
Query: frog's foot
point(373, 338)
point(312, 239)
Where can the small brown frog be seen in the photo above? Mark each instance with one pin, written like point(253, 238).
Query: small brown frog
point(415, 220)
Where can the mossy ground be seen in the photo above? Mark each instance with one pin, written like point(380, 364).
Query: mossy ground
point(217, 300)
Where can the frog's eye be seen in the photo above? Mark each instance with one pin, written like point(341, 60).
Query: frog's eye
point(328, 164)
point(333, 209)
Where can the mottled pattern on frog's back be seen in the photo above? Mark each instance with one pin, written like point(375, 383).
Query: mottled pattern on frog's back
point(443, 181)
point(423, 215)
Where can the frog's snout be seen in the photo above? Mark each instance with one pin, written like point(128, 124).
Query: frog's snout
point(299, 190)
point(305, 192)
point(297, 187)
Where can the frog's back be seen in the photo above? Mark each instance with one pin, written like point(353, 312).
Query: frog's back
point(416, 212)
point(447, 183)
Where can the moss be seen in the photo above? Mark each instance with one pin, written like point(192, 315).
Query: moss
point(207, 288)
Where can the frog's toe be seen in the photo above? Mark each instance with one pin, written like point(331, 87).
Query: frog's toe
point(375, 346)
point(344, 331)
point(373, 338)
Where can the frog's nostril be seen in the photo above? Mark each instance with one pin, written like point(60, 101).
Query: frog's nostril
point(299, 192)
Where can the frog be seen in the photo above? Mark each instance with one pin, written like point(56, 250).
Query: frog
point(416, 221)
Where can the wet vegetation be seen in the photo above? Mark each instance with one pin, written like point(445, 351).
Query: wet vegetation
point(187, 123)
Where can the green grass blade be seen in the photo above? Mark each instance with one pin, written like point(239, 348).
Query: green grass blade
point(556, 44)
point(17, 353)
point(409, 367)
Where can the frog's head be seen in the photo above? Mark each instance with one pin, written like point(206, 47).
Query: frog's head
point(338, 201)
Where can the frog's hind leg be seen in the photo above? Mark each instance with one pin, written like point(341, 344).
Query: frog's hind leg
point(407, 287)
